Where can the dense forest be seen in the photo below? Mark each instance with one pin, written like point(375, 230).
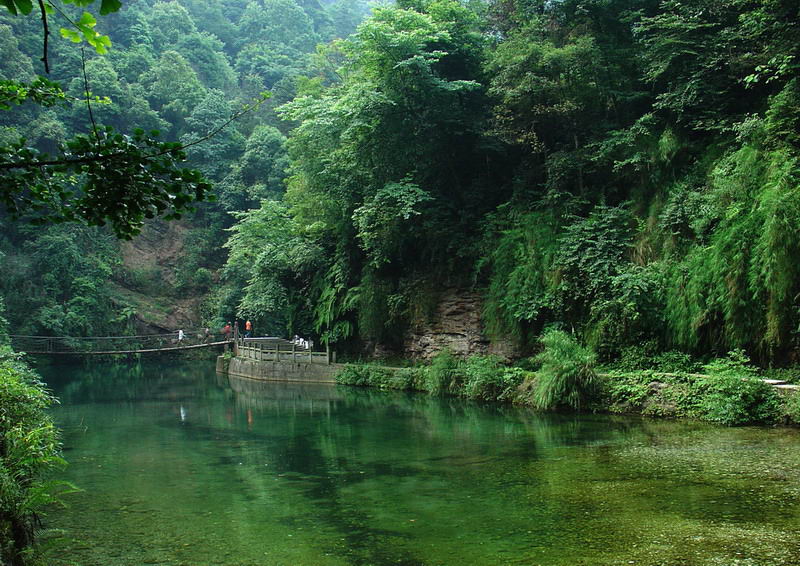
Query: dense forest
point(624, 169)
point(182, 69)
point(612, 179)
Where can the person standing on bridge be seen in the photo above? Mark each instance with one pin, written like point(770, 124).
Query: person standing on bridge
point(248, 328)
point(226, 331)
point(181, 336)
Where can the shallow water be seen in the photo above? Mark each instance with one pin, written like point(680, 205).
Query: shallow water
point(183, 467)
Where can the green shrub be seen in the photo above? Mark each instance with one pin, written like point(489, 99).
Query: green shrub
point(737, 363)
point(407, 379)
point(485, 377)
point(521, 283)
point(624, 392)
point(647, 356)
point(29, 448)
point(362, 375)
point(737, 288)
point(566, 376)
point(477, 377)
point(638, 357)
point(143, 279)
point(733, 400)
point(731, 392)
point(674, 361)
point(734, 394)
point(789, 374)
point(442, 375)
point(202, 278)
point(629, 311)
point(371, 375)
point(791, 407)
point(351, 374)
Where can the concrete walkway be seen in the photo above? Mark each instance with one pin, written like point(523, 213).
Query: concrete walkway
point(781, 384)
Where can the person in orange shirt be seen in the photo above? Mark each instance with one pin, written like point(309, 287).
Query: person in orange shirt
point(248, 329)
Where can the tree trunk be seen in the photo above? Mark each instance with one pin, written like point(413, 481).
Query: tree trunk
point(22, 538)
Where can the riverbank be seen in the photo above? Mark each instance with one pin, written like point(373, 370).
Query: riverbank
point(564, 375)
point(726, 391)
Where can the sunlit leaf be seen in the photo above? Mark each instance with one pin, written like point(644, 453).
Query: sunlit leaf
point(87, 20)
point(70, 34)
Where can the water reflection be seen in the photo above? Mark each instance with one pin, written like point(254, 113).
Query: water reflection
point(182, 466)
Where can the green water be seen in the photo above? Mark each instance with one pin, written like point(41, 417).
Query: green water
point(183, 467)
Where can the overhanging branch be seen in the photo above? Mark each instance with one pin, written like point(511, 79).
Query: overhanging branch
point(46, 34)
point(114, 155)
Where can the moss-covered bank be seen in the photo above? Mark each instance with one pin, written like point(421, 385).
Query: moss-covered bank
point(727, 391)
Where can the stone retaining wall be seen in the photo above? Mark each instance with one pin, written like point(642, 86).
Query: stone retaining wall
point(278, 371)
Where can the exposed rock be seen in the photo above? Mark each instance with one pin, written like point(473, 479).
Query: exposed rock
point(159, 247)
point(155, 255)
point(155, 315)
point(455, 325)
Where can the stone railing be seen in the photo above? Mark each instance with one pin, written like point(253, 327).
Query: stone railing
point(276, 352)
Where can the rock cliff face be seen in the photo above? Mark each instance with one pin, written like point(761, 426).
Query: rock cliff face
point(159, 247)
point(150, 285)
point(154, 256)
point(456, 325)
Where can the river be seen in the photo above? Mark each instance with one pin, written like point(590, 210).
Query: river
point(179, 466)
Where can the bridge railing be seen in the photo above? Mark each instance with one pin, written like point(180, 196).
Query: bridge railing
point(280, 351)
point(111, 344)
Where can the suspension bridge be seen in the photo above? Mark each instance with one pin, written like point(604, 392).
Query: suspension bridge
point(118, 345)
point(263, 348)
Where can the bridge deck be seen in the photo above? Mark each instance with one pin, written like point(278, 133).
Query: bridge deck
point(116, 345)
point(115, 352)
point(190, 339)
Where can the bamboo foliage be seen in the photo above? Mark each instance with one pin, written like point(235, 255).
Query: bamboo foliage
point(739, 291)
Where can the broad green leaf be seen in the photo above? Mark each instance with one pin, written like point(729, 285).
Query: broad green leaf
point(87, 20)
point(9, 4)
point(70, 34)
point(25, 6)
point(109, 6)
point(99, 42)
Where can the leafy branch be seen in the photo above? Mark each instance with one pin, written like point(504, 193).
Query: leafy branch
point(26, 163)
point(106, 178)
point(42, 91)
point(83, 27)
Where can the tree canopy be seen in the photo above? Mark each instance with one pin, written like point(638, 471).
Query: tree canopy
point(117, 139)
point(624, 168)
